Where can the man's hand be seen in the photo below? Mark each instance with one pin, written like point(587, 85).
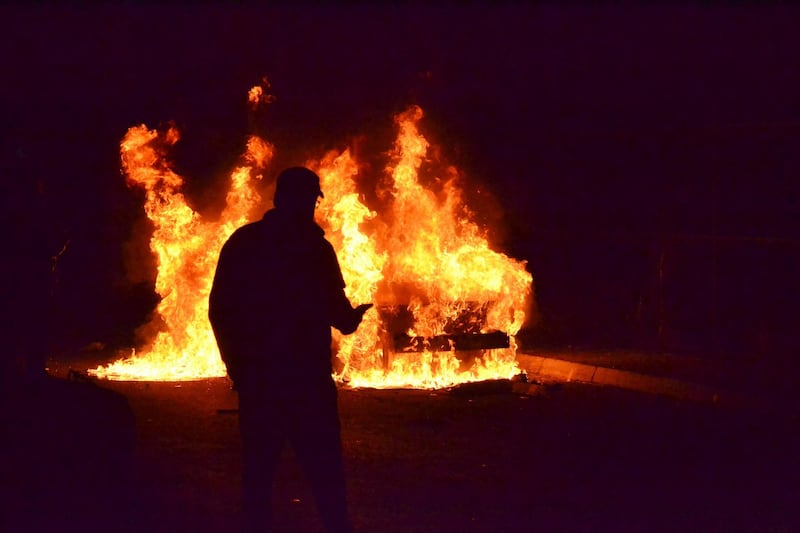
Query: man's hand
point(361, 309)
point(350, 321)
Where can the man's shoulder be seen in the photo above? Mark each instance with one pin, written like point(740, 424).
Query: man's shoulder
point(244, 234)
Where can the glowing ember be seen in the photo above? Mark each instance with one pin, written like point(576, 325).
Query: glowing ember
point(422, 260)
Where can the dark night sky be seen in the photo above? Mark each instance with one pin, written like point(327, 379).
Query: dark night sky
point(580, 119)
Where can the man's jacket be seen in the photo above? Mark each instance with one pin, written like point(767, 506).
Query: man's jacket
point(277, 291)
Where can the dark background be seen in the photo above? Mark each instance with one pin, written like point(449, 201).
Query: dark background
point(645, 158)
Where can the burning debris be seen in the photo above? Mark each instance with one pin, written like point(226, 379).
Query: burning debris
point(438, 287)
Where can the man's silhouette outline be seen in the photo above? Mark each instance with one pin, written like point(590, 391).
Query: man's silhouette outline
point(277, 291)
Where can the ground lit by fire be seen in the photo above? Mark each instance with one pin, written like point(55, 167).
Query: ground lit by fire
point(420, 257)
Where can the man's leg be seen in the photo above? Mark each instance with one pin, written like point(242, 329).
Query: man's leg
point(317, 442)
point(262, 437)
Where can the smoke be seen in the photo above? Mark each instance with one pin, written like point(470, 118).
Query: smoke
point(139, 261)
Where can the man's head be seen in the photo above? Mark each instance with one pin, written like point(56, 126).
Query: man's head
point(297, 189)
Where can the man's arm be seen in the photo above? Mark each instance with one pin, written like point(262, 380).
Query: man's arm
point(347, 319)
point(343, 316)
point(222, 311)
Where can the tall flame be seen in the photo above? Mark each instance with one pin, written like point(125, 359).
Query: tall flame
point(427, 256)
point(422, 260)
point(186, 249)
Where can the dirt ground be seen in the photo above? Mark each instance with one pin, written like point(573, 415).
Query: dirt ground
point(575, 457)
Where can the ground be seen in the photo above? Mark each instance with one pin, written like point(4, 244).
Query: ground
point(572, 457)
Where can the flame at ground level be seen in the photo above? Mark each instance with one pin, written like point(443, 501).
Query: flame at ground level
point(418, 256)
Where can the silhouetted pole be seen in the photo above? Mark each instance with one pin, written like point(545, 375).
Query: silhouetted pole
point(714, 261)
point(661, 309)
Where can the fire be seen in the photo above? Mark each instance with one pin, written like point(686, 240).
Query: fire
point(420, 258)
point(186, 249)
point(427, 257)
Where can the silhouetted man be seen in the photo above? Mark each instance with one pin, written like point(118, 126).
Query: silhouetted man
point(277, 291)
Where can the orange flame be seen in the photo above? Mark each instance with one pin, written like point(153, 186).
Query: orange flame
point(422, 256)
point(426, 257)
point(186, 249)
